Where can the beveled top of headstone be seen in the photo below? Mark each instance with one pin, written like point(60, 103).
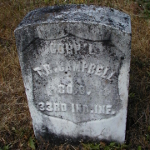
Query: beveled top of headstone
point(75, 62)
point(79, 13)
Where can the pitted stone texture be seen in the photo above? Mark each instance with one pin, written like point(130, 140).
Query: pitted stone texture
point(75, 63)
point(79, 13)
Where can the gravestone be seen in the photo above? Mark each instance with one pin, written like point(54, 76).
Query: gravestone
point(75, 62)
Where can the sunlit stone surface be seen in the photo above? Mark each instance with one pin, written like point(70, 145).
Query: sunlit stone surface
point(75, 63)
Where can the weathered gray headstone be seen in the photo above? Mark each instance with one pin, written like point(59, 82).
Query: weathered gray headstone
point(75, 63)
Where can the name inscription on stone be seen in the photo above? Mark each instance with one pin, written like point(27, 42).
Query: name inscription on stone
point(75, 62)
point(75, 79)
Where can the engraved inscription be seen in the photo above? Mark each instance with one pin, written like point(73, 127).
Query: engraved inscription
point(81, 66)
point(75, 79)
point(68, 48)
point(49, 106)
point(76, 108)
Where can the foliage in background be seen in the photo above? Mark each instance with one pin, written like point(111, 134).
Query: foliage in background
point(15, 122)
point(145, 7)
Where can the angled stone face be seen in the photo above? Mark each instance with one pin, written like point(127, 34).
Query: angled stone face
point(75, 63)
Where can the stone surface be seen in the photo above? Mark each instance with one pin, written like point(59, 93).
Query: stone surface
point(75, 63)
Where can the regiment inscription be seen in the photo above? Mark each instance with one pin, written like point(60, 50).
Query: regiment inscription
point(76, 71)
point(76, 78)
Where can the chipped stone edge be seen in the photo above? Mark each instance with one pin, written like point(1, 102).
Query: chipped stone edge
point(73, 21)
point(59, 125)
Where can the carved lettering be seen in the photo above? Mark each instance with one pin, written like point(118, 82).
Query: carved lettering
point(65, 89)
point(81, 66)
point(41, 106)
point(69, 48)
point(63, 107)
point(49, 106)
point(75, 108)
point(76, 66)
point(99, 70)
point(38, 69)
point(108, 109)
point(47, 69)
point(61, 48)
point(68, 67)
point(102, 109)
point(105, 72)
point(61, 88)
point(110, 76)
point(77, 47)
point(91, 69)
point(85, 109)
point(78, 108)
point(53, 48)
point(75, 79)
point(90, 49)
point(84, 65)
point(95, 108)
point(56, 107)
point(61, 67)
point(82, 89)
point(69, 89)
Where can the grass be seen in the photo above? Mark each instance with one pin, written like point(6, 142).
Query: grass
point(15, 122)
